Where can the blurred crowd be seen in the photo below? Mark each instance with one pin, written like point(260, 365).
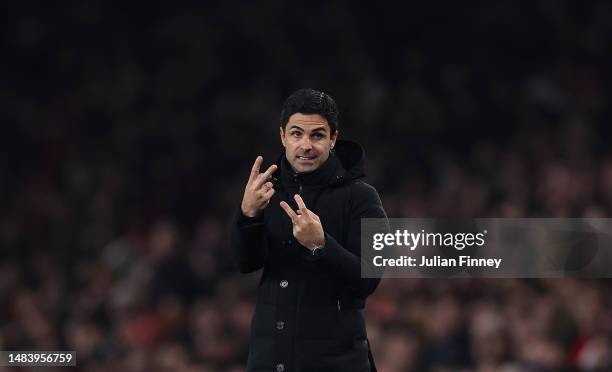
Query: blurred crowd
point(128, 132)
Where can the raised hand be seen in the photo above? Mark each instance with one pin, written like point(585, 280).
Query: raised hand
point(307, 228)
point(258, 190)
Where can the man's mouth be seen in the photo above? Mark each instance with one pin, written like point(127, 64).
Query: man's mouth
point(306, 157)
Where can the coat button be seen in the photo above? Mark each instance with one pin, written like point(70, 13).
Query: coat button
point(280, 325)
point(284, 283)
point(280, 367)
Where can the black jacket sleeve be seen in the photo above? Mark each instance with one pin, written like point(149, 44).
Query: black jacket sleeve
point(345, 261)
point(248, 242)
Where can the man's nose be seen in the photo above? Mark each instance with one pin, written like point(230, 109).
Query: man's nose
point(306, 144)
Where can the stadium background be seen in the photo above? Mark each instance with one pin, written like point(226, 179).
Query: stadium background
point(128, 131)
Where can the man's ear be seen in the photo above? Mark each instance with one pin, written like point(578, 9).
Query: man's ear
point(282, 135)
point(333, 138)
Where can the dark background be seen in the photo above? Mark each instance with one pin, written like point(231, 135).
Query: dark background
point(128, 131)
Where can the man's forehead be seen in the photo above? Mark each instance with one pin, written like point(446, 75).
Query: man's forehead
point(308, 122)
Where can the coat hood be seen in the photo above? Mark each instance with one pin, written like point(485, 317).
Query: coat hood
point(352, 157)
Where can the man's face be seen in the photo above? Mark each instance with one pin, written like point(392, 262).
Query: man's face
point(307, 140)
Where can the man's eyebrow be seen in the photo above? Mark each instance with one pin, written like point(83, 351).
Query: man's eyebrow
point(320, 129)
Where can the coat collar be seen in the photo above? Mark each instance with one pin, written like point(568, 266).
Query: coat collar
point(319, 177)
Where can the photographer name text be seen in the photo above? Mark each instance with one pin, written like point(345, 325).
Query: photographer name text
point(438, 261)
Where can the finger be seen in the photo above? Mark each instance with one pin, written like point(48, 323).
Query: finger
point(270, 170)
point(268, 194)
point(255, 168)
point(300, 203)
point(263, 177)
point(264, 190)
point(289, 211)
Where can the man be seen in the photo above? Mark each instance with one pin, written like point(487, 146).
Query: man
point(300, 221)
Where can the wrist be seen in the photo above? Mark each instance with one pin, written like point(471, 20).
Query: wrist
point(316, 247)
point(248, 213)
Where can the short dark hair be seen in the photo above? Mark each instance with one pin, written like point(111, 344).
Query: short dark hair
point(310, 101)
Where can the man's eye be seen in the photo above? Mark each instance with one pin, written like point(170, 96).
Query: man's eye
point(296, 134)
point(318, 135)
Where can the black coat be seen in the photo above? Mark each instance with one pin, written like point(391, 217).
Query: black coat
point(309, 312)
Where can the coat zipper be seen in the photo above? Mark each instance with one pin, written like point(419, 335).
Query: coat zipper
point(295, 179)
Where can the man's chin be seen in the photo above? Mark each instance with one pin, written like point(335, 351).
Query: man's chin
point(305, 168)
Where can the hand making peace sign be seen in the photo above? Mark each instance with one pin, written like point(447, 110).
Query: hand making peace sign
point(258, 191)
point(307, 227)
